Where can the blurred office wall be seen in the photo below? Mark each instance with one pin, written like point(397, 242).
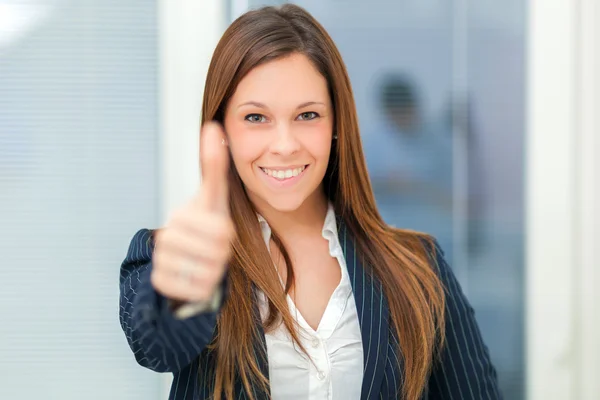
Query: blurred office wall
point(78, 177)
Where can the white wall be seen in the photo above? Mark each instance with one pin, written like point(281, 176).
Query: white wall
point(563, 202)
point(588, 312)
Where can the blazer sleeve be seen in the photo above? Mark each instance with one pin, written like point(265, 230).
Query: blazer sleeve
point(464, 369)
point(158, 340)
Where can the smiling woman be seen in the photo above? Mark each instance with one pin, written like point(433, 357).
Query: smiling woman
point(280, 279)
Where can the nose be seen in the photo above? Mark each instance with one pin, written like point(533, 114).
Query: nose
point(285, 142)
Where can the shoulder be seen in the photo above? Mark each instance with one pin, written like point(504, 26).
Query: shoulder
point(439, 264)
point(435, 253)
point(427, 247)
point(458, 307)
point(141, 246)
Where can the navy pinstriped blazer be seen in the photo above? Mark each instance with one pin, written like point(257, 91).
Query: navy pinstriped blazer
point(164, 344)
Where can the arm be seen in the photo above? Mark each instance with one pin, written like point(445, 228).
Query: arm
point(464, 369)
point(158, 340)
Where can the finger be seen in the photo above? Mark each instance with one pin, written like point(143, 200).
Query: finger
point(179, 243)
point(176, 288)
point(214, 158)
point(173, 263)
point(204, 226)
point(181, 278)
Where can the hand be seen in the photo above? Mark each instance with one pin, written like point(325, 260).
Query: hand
point(192, 250)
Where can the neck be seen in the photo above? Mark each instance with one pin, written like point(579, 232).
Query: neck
point(305, 220)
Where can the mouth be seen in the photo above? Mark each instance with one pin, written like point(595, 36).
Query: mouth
point(284, 174)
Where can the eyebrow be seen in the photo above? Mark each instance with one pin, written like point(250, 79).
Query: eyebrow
point(261, 105)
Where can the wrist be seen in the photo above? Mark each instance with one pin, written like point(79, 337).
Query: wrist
point(183, 310)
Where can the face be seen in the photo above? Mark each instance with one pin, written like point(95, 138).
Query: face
point(279, 126)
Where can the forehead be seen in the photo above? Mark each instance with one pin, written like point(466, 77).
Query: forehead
point(283, 81)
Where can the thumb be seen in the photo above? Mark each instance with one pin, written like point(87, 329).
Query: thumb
point(214, 159)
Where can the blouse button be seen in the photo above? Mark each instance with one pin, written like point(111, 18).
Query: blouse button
point(321, 375)
point(315, 343)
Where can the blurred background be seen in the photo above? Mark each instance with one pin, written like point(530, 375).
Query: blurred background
point(480, 124)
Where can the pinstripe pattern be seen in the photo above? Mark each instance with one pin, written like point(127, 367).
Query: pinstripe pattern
point(373, 317)
point(164, 344)
point(465, 370)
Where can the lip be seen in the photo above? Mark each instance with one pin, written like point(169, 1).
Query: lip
point(287, 182)
point(284, 168)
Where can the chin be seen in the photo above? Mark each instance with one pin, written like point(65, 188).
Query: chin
point(288, 202)
point(285, 203)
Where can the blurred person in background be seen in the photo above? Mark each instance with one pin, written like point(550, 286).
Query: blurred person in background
point(459, 120)
point(410, 163)
point(280, 279)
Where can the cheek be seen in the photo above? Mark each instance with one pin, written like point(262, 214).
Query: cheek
point(244, 152)
point(319, 144)
point(244, 147)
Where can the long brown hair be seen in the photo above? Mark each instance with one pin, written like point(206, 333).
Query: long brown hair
point(398, 258)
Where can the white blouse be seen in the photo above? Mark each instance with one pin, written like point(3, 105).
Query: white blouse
point(335, 347)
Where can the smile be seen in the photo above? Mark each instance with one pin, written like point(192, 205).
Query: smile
point(284, 174)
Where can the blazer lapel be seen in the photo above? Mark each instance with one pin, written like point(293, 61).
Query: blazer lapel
point(373, 315)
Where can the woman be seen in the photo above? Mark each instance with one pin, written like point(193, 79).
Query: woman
point(279, 279)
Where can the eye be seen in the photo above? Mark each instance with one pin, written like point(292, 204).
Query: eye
point(255, 118)
point(307, 116)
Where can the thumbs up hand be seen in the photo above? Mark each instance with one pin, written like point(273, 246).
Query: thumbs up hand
point(192, 250)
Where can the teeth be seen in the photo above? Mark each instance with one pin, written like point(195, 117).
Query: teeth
point(283, 174)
